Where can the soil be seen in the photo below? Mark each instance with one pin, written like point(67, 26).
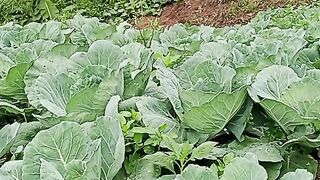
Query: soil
point(216, 13)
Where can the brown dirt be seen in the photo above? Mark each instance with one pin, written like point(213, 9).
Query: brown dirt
point(213, 13)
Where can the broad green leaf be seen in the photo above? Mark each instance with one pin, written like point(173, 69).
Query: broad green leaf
point(48, 9)
point(112, 145)
point(54, 92)
point(12, 85)
point(81, 105)
point(58, 145)
point(161, 159)
point(112, 106)
point(296, 160)
point(27, 131)
point(211, 77)
point(63, 50)
point(195, 172)
point(214, 115)
point(101, 52)
point(94, 30)
point(238, 123)
point(299, 174)
point(243, 169)
point(5, 63)
point(265, 151)
point(90, 168)
point(273, 169)
point(202, 150)
point(171, 87)
point(48, 171)
point(7, 137)
point(51, 64)
point(284, 115)
point(192, 98)
point(303, 94)
point(272, 81)
point(11, 170)
point(52, 31)
point(137, 86)
point(156, 113)
point(144, 169)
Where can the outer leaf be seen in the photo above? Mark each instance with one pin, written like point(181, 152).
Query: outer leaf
point(26, 133)
point(238, 123)
point(284, 115)
point(58, 145)
point(51, 64)
point(297, 160)
point(214, 115)
point(272, 81)
point(171, 87)
point(161, 159)
point(48, 171)
point(244, 169)
point(7, 136)
point(112, 106)
point(101, 52)
point(203, 150)
point(11, 170)
point(13, 84)
point(54, 92)
point(112, 145)
point(156, 113)
point(265, 151)
point(299, 174)
point(195, 172)
point(273, 169)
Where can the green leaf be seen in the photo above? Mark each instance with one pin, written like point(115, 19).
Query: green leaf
point(171, 87)
point(244, 169)
point(272, 81)
point(273, 169)
point(12, 85)
point(202, 150)
point(297, 160)
point(156, 113)
point(112, 145)
point(299, 174)
point(195, 172)
point(101, 52)
point(284, 115)
point(112, 106)
point(48, 9)
point(58, 145)
point(214, 115)
point(265, 151)
point(48, 171)
point(11, 170)
point(211, 77)
point(90, 167)
point(51, 64)
point(238, 123)
point(26, 132)
point(161, 159)
point(144, 169)
point(54, 92)
point(7, 137)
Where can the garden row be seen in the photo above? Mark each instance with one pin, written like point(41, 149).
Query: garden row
point(88, 100)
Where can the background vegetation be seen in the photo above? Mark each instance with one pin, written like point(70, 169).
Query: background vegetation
point(24, 11)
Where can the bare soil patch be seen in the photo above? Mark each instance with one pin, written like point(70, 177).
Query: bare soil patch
point(214, 12)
